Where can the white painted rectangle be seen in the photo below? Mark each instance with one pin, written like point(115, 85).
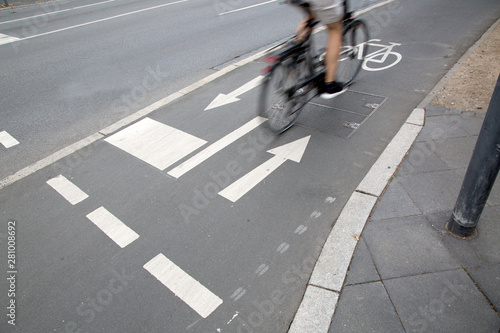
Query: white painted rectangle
point(67, 189)
point(193, 293)
point(113, 227)
point(5, 138)
point(155, 143)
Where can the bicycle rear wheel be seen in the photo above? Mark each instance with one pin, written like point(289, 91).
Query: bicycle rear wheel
point(353, 52)
point(284, 92)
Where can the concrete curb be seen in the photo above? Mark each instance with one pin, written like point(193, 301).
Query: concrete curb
point(323, 290)
point(320, 300)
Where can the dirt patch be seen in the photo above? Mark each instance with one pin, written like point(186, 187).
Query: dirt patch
point(471, 86)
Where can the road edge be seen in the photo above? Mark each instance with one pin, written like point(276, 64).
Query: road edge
point(320, 300)
point(120, 124)
point(322, 294)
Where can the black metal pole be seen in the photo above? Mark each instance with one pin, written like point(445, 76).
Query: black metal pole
point(481, 173)
point(6, 3)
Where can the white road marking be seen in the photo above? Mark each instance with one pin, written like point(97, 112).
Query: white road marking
point(66, 151)
point(104, 19)
point(262, 269)
point(193, 293)
point(239, 293)
point(359, 12)
point(248, 7)
point(113, 227)
point(67, 189)
point(301, 229)
point(291, 151)
point(5, 138)
point(155, 143)
point(216, 147)
point(5, 39)
point(55, 12)
point(223, 99)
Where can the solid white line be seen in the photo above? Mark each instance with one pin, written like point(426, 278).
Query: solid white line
point(104, 19)
point(244, 8)
point(56, 12)
point(7, 140)
point(136, 116)
point(215, 147)
point(67, 189)
point(372, 7)
point(113, 227)
point(5, 39)
point(193, 293)
point(58, 155)
point(155, 143)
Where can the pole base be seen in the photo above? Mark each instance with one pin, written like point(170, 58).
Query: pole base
point(459, 230)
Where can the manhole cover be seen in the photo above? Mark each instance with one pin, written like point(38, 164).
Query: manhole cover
point(341, 116)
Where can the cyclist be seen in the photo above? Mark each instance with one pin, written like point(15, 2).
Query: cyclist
point(331, 13)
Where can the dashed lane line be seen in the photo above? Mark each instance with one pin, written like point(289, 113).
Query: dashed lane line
point(67, 189)
point(6, 139)
point(113, 227)
point(216, 147)
point(129, 119)
point(193, 293)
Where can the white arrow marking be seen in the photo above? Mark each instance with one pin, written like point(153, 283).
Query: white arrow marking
point(223, 99)
point(291, 151)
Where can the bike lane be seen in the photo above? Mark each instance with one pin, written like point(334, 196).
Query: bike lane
point(138, 246)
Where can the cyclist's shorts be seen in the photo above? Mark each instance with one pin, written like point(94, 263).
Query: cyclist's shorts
point(328, 11)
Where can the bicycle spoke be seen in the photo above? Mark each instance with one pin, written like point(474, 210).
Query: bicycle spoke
point(284, 93)
point(353, 51)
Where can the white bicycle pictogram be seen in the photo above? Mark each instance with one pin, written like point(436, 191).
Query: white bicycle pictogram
point(384, 54)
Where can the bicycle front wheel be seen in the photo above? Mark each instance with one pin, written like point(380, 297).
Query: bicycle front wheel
point(353, 52)
point(283, 95)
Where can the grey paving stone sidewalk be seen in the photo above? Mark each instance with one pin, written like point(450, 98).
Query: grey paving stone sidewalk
point(408, 274)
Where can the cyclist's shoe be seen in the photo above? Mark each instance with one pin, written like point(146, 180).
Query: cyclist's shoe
point(332, 89)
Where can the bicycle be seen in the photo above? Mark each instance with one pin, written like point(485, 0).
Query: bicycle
point(295, 75)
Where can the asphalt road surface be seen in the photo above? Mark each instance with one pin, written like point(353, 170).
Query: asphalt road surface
point(187, 219)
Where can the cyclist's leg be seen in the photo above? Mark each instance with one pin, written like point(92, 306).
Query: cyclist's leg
point(333, 88)
point(332, 50)
point(331, 13)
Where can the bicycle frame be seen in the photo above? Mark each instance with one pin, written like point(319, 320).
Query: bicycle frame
point(304, 48)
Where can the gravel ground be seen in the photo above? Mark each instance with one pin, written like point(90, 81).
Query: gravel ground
point(472, 84)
